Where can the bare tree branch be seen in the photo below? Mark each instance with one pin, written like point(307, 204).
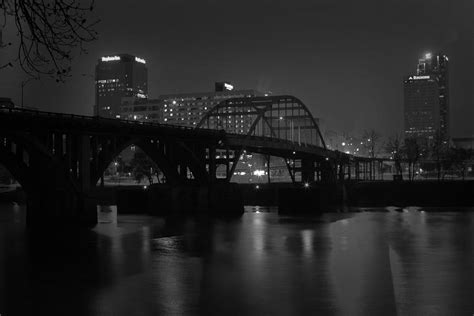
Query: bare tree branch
point(49, 32)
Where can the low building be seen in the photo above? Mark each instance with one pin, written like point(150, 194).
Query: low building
point(189, 108)
point(463, 142)
point(6, 102)
point(144, 110)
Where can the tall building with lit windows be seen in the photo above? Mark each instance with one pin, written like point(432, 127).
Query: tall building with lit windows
point(116, 77)
point(426, 99)
point(189, 108)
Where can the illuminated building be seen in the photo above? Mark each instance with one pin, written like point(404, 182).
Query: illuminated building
point(436, 66)
point(426, 99)
point(144, 110)
point(118, 76)
point(223, 86)
point(421, 106)
point(188, 108)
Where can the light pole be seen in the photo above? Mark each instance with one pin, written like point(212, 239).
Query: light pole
point(96, 110)
point(23, 84)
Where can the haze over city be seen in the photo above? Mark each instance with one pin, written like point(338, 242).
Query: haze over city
point(314, 50)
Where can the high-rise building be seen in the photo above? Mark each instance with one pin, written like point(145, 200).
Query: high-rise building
point(421, 106)
point(437, 67)
point(118, 76)
point(427, 99)
point(189, 108)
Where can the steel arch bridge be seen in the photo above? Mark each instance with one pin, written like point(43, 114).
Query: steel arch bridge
point(276, 119)
point(282, 117)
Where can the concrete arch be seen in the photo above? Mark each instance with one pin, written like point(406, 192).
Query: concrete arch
point(19, 170)
point(50, 167)
point(160, 160)
point(161, 156)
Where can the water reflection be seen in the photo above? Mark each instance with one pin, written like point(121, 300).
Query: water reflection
point(405, 262)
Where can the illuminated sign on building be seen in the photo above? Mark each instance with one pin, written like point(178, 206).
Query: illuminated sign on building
point(140, 60)
point(223, 86)
point(107, 80)
point(419, 77)
point(110, 58)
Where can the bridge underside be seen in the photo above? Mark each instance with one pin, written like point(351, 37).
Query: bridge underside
point(59, 158)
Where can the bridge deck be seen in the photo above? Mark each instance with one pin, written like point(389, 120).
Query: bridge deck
point(17, 119)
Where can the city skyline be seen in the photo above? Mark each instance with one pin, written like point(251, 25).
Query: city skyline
point(208, 157)
point(366, 63)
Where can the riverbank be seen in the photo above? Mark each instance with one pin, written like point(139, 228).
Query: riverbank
point(289, 198)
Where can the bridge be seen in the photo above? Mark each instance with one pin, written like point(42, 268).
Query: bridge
point(59, 158)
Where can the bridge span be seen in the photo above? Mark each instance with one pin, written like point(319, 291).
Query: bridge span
point(59, 158)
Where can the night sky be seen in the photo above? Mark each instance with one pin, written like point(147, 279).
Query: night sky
point(344, 59)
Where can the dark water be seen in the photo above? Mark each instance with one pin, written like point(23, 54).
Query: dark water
point(369, 263)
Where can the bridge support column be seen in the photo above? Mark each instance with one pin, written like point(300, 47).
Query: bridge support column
point(46, 208)
point(307, 170)
point(212, 164)
point(53, 199)
point(327, 172)
point(219, 199)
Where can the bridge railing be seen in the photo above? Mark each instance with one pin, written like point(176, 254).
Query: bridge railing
point(91, 118)
point(296, 146)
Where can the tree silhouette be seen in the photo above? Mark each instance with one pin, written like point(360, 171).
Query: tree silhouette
point(143, 167)
point(49, 32)
point(438, 150)
point(412, 151)
point(394, 147)
point(370, 140)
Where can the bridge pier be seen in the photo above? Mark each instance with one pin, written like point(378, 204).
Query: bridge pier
point(316, 199)
point(217, 199)
point(307, 170)
point(59, 207)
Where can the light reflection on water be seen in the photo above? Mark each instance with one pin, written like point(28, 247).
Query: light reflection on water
point(382, 262)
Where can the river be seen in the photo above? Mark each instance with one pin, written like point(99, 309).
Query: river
point(377, 262)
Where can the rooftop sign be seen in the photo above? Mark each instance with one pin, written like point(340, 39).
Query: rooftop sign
point(110, 58)
point(418, 77)
point(140, 60)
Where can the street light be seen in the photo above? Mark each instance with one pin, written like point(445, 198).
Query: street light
point(96, 109)
point(23, 84)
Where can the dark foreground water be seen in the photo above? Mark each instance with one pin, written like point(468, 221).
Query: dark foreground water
point(372, 263)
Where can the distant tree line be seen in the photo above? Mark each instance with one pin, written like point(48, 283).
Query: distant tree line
point(435, 154)
point(435, 157)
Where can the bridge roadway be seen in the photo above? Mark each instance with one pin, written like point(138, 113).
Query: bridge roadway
point(60, 157)
point(24, 120)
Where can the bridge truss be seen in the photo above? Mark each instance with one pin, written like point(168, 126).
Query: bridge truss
point(282, 118)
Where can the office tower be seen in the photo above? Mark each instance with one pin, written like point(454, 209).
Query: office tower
point(421, 107)
point(437, 67)
point(426, 99)
point(118, 76)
